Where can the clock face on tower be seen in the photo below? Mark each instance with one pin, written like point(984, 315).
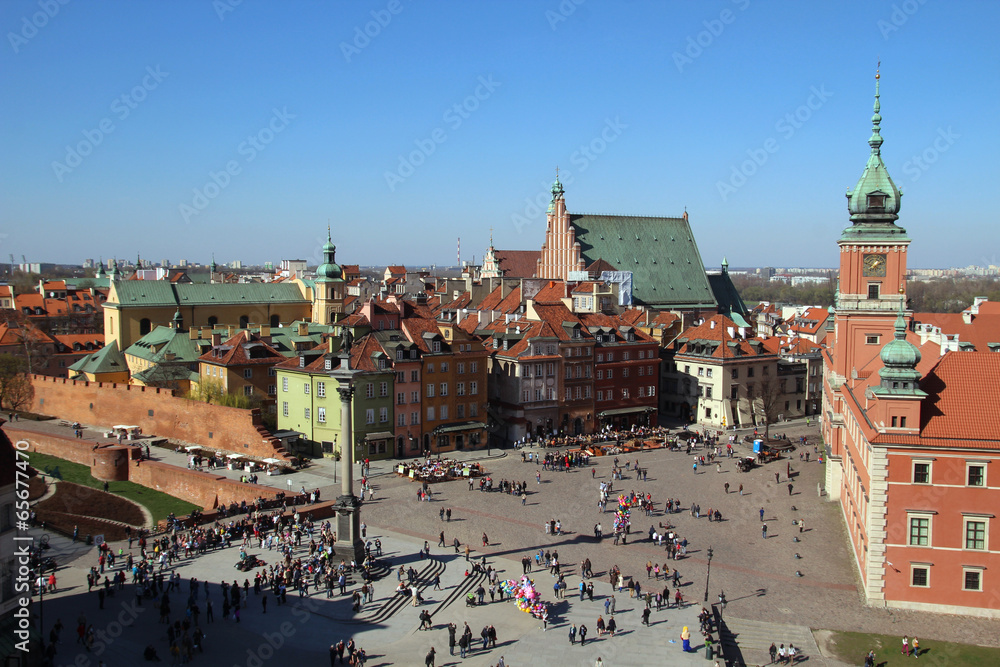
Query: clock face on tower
point(874, 266)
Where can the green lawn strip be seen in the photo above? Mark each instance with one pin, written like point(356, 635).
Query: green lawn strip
point(159, 504)
point(852, 647)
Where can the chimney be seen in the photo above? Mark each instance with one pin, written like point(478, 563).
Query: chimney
point(711, 324)
point(303, 329)
point(330, 344)
point(216, 339)
point(265, 331)
point(169, 356)
point(231, 330)
point(194, 333)
point(206, 333)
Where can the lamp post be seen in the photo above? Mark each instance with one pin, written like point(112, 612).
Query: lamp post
point(708, 574)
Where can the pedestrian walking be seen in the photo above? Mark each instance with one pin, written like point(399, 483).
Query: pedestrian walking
point(572, 633)
point(763, 531)
point(906, 646)
point(762, 515)
point(802, 525)
point(583, 634)
point(789, 488)
point(915, 648)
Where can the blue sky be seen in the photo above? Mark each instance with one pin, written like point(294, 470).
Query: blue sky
point(177, 129)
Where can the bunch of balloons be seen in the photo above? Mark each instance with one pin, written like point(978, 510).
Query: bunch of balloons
point(622, 521)
point(526, 596)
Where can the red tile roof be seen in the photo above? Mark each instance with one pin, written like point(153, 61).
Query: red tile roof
point(716, 329)
point(810, 321)
point(243, 349)
point(54, 286)
point(518, 263)
point(600, 265)
point(507, 304)
point(15, 334)
point(982, 330)
point(396, 270)
point(5, 291)
point(962, 401)
point(789, 345)
point(552, 292)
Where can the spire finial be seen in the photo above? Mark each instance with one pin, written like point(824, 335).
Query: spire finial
point(491, 236)
point(328, 237)
point(875, 141)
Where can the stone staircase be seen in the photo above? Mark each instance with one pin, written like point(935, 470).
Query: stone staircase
point(751, 639)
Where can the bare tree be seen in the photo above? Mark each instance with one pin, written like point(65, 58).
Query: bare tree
point(768, 403)
point(16, 390)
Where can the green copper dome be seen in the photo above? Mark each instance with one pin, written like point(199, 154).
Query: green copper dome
point(900, 358)
point(329, 270)
point(875, 200)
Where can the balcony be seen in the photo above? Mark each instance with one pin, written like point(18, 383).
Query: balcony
point(885, 303)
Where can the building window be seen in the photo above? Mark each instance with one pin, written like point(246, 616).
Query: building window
point(734, 392)
point(920, 576)
point(473, 409)
point(370, 390)
point(976, 474)
point(873, 289)
point(735, 374)
point(921, 472)
point(383, 415)
point(444, 412)
point(920, 531)
point(624, 372)
point(625, 393)
point(401, 419)
point(430, 390)
point(370, 416)
point(975, 534)
point(701, 372)
point(611, 374)
point(414, 397)
point(474, 367)
point(972, 579)
point(460, 388)
point(750, 372)
point(444, 389)
point(600, 375)
point(306, 413)
point(321, 415)
point(430, 413)
point(651, 390)
point(272, 390)
point(430, 368)
point(305, 388)
point(414, 418)
point(436, 347)
point(414, 376)
point(321, 389)
point(248, 390)
point(708, 372)
point(461, 368)
point(284, 408)
point(473, 388)
point(871, 339)
point(460, 411)
point(400, 398)
point(284, 385)
point(600, 395)
point(444, 367)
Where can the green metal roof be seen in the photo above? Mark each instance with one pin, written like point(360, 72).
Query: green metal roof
point(728, 298)
point(166, 373)
point(661, 253)
point(155, 345)
point(162, 293)
point(108, 359)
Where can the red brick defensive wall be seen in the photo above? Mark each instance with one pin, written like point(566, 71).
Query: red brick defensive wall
point(159, 412)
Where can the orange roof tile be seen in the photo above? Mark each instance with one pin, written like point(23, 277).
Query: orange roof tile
point(517, 263)
point(243, 349)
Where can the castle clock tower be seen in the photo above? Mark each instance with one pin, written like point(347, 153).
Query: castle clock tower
point(872, 283)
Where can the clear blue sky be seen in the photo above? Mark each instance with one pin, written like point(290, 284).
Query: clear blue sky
point(183, 85)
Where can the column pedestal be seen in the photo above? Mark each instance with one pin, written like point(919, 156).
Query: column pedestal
point(350, 545)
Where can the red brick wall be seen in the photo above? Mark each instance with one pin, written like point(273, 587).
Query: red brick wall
point(157, 411)
point(201, 488)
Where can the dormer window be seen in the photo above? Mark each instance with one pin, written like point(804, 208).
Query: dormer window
point(328, 364)
point(436, 346)
point(876, 201)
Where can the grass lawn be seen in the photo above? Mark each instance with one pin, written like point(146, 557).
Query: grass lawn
point(851, 647)
point(159, 504)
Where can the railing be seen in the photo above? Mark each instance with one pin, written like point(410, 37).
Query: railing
point(862, 302)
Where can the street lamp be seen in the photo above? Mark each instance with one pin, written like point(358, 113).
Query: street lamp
point(708, 574)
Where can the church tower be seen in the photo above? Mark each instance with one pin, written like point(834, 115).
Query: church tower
point(560, 251)
point(328, 294)
point(872, 280)
point(491, 266)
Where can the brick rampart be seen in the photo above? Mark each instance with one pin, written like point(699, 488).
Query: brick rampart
point(204, 489)
point(159, 412)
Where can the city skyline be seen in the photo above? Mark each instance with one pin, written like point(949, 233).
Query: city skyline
point(182, 130)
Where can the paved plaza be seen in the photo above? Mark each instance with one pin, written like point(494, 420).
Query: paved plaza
point(765, 594)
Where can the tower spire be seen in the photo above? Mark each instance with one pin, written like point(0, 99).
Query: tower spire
point(875, 141)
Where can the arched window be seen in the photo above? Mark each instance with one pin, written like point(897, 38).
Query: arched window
point(145, 326)
point(244, 321)
point(275, 321)
point(213, 320)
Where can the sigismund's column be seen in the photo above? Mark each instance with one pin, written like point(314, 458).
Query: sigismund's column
point(349, 545)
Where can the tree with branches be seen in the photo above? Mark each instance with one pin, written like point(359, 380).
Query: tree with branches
point(16, 390)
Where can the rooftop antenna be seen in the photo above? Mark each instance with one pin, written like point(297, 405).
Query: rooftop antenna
point(458, 253)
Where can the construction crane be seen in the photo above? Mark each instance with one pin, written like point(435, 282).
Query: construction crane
point(11, 265)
